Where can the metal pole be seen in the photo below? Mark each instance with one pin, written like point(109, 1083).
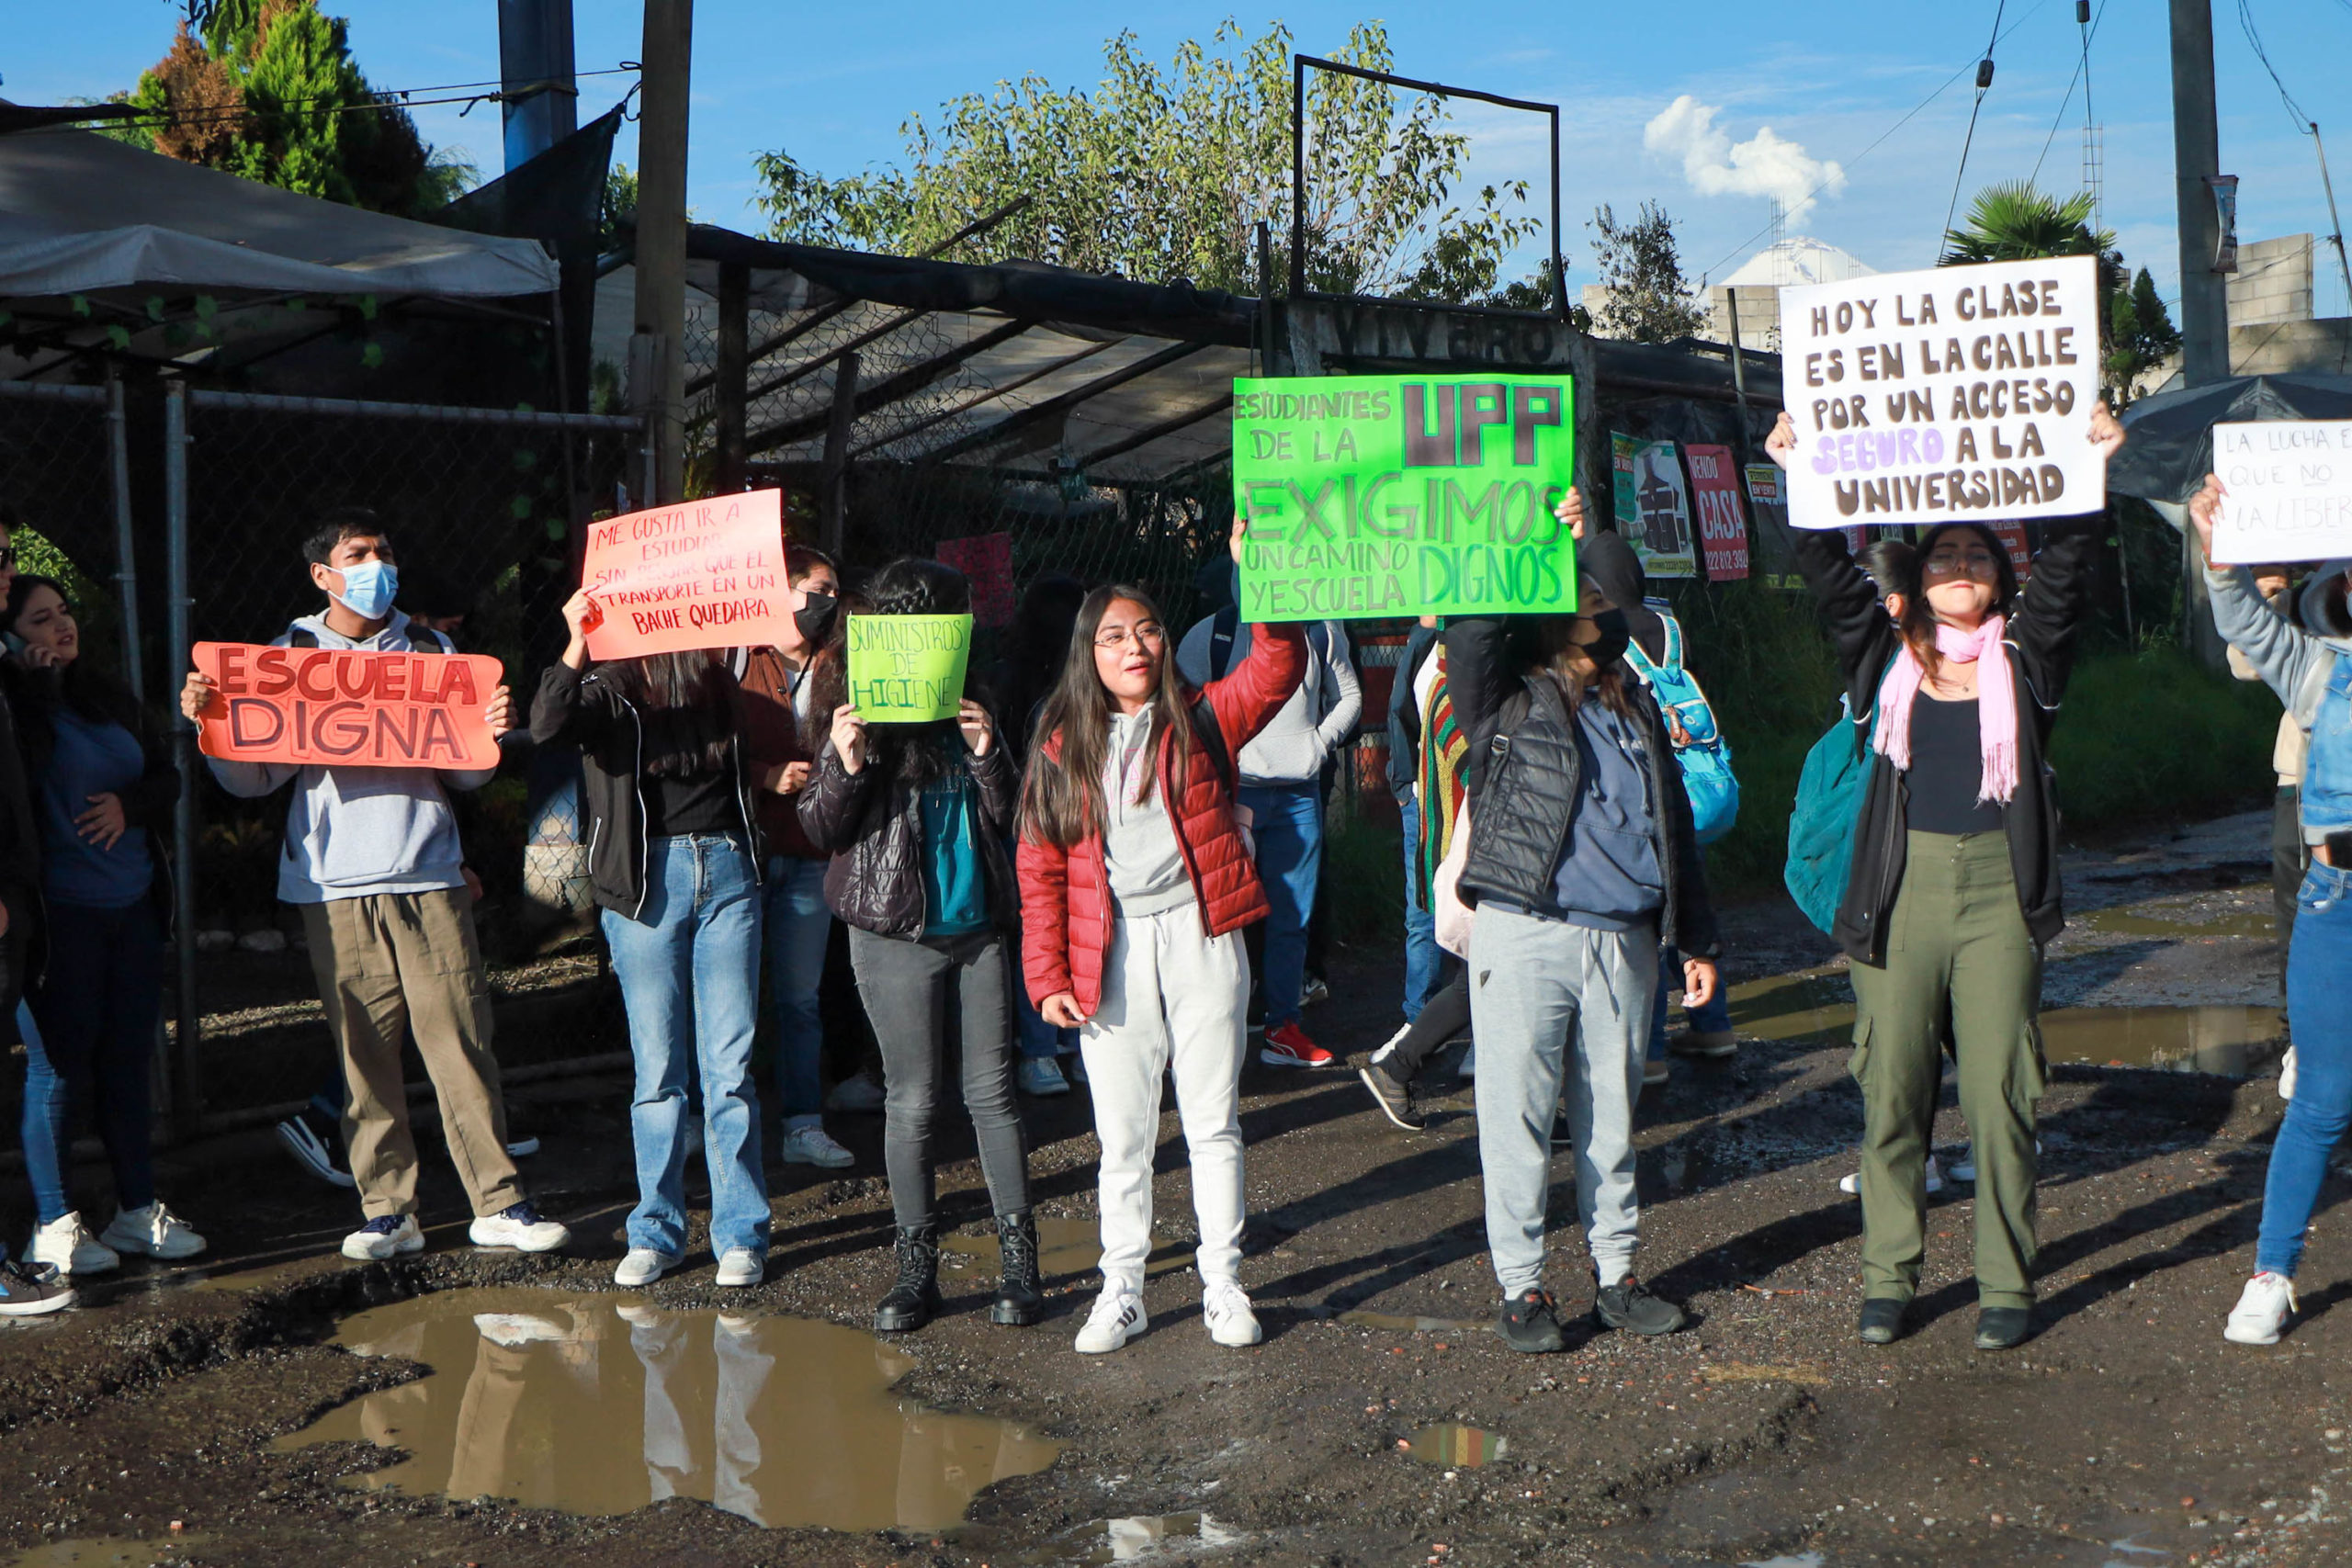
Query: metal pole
point(1559, 266)
point(126, 575)
point(731, 384)
point(2334, 224)
point(1297, 178)
point(1265, 298)
point(835, 487)
point(188, 1101)
point(2197, 152)
point(662, 235)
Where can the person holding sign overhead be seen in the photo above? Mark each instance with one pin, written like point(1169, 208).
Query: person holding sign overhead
point(1954, 890)
point(1135, 882)
point(915, 814)
point(2310, 667)
point(373, 862)
point(673, 863)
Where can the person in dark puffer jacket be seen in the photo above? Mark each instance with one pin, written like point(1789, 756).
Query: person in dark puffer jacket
point(1135, 882)
point(1582, 863)
point(915, 818)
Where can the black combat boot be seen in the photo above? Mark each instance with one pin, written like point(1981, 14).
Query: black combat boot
point(914, 1299)
point(1019, 1300)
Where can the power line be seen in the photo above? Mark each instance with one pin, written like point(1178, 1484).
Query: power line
point(2294, 110)
point(2082, 74)
point(1917, 109)
point(380, 98)
point(1984, 85)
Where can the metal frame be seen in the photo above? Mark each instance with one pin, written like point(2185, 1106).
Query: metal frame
point(1298, 64)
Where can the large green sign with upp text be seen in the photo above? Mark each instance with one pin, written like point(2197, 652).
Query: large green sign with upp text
point(1403, 495)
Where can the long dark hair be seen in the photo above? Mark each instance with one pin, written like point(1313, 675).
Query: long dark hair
point(1917, 625)
point(1545, 645)
point(917, 754)
point(686, 706)
point(92, 693)
point(1061, 798)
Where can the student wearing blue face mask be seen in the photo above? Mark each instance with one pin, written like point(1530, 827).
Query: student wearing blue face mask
point(373, 861)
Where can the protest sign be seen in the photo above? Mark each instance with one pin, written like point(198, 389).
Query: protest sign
point(2287, 490)
point(1653, 508)
point(986, 561)
point(908, 669)
point(1775, 554)
point(701, 574)
point(1947, 395)
point(1403, 495)
point(348, 708)
point(1722, 524)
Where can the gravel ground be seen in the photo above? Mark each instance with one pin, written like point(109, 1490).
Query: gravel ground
point(2127, 1432)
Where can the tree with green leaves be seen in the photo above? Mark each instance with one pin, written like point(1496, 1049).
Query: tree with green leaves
point(1649, 300)
point(1164, 174)
point(2140, 335)
point(267, 90)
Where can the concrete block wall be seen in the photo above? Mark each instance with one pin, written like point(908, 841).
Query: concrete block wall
point(2273, 282)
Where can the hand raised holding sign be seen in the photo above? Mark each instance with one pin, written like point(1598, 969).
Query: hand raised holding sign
point(1233, 542)
point(1782, 444)
point(849, 739)
point(197, 694)
point(980, 730)
point(2202, 508)
point(1570, 512)
point(2107, 433)
point(581, 615)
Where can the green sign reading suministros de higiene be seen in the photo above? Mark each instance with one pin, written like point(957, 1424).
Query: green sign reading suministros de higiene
point(1403, 495)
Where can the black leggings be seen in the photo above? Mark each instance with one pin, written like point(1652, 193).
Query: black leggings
point(1444, 1016)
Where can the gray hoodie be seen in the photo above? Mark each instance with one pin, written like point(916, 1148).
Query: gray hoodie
point(1291, 749)
point(351, 832)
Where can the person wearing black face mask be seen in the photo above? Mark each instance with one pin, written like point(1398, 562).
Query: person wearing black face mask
point(780, 723)
point(1582, 862)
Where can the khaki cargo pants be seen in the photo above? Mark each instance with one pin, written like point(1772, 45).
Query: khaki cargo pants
point(390, 966)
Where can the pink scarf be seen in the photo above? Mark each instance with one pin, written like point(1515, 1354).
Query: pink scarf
point(1996, 703)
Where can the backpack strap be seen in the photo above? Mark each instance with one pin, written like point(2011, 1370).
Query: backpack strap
point(301, 636)
point(1222, 631)
point(1210, 735)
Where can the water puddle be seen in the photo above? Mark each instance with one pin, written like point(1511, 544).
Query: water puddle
point(1064, 1246)
point(1794, 1007)
point(2229, 1041)
point(2263, 926)
point(1403, 1323)
point(1455, 1445)
point(602, 1405)
point(1148, 1535)
point(111, 1552)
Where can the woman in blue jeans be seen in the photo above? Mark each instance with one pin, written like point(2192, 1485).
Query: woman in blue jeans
point(673, 863)
point(98, 778)
point(2311, 672)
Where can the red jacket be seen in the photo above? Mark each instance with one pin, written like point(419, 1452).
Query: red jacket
point(1066, 906)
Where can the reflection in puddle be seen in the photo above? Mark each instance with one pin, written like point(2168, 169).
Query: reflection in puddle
point(1064, 1246)
point(2176, 923)
point(1457, 1446)
point(600, 1405)
point(1793, 1006)
point(1405, 1324)
point(1127, 1540)
point(2230, 1041)
point(110, 1552)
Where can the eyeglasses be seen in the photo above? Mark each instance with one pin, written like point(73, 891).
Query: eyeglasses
point(1147, 637)
point(7, 557)
point(1952, 563)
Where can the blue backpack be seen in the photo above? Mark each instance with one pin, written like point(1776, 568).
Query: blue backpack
point(1830, 787)
point(1707, 777)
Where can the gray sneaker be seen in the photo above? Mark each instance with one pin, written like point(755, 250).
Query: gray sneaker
point(1395, 1099)
point(1630, 1306)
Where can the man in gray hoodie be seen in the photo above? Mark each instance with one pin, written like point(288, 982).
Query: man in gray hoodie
point(373, 862)
point(1282, 787)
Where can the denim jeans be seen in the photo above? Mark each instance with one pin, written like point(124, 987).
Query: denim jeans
point(94, 1047)
point(1424, 960)
point(689, 968)
point(799, 927)
point(1287, 821)
point(1712, 1019)
point(2317, 961)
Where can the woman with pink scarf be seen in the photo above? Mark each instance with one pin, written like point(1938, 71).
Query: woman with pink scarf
point(1954, 888)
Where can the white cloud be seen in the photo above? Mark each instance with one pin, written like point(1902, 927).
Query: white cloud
point(1764, 164)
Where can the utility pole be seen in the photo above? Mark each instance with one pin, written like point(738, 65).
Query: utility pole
point(662, 242)
point(540, 97)
point(2197, 152)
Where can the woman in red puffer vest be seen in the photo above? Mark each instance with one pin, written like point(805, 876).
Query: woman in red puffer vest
point(1135, 882)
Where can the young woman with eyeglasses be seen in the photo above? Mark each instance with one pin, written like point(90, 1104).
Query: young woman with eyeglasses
point(1136, 881)
point(1954, 890)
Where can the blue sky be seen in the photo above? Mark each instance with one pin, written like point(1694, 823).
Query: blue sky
point(832, 83)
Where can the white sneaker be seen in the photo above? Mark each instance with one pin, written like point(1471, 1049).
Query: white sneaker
point(1469, 1068)
point(1225, 1307)
point(520, 1227)
point(813, 1146)
point(382, 1236)
point(2262, 1311)
point(855, 1092)
point(1851, 1184)
point(516, 1329)
point(742, 1265)
point(642, 1267)
point(1964, 1167)
point(66, 1245)
point(2287, 1076)
point(1117, 1317)
point(153, 1230)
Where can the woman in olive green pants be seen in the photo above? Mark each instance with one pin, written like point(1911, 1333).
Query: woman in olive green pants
point(1954, 889)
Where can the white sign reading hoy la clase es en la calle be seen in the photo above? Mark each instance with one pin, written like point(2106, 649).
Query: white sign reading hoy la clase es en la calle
point(1958, 392)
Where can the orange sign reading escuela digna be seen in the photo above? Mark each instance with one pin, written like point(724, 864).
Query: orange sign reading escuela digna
point(348, 708)
point(700, 574)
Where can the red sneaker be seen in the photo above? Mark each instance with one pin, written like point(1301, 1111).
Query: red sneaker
point(1288, 1046)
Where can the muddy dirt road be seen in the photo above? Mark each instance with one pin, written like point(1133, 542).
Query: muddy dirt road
point(482, 1408)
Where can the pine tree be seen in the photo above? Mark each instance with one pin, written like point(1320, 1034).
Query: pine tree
point(1647, 300)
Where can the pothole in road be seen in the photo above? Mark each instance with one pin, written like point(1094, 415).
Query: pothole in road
point(110, 1552)
point(1455, 1445)
point(601, 1405)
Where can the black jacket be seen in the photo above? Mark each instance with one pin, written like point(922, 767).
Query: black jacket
point(20, 878)
point(872, 829)
point(1525, 775)
point(1405, 716)
point(2040, 641)
point(587, 709)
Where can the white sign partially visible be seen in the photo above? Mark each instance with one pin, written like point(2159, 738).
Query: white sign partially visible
point(1959, 394)
point(2287, 490)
